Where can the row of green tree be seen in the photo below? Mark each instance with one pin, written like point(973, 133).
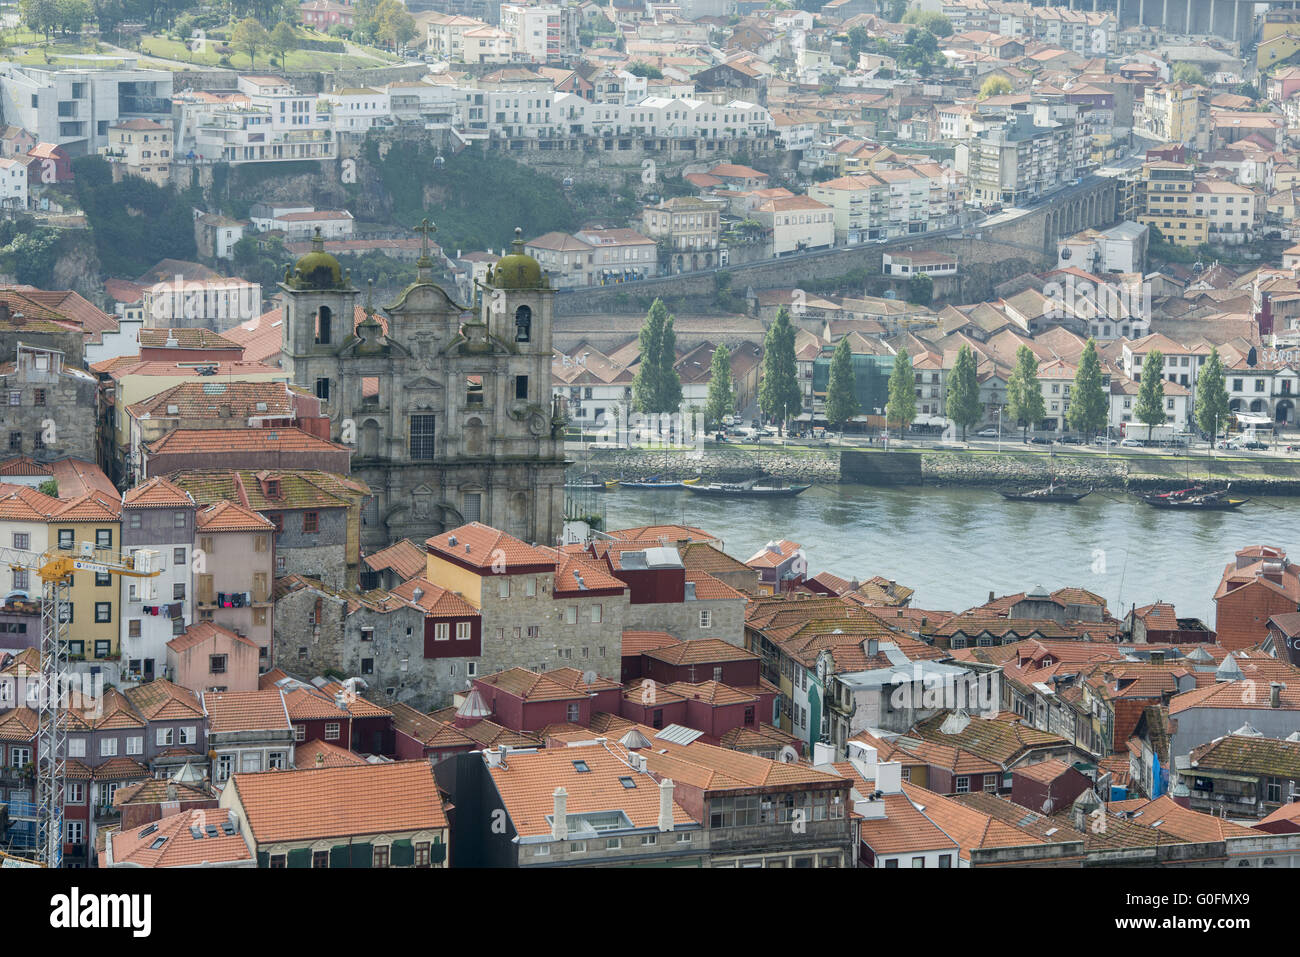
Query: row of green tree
point(657, 387)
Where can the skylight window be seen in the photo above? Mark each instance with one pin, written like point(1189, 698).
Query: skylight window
point(157, 843)
point(627, 783)
point(580, 766)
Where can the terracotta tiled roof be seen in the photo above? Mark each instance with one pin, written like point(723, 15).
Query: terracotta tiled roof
point(774, 554)
point(156, 791)
point(1166, 815)
point(640, 642)
point(299, 488)
point(575, 574)
point(354, 801)
point(406, 558)
point(117, 768)
point(322, 754)
point(92, 507)
point(527, 785)
point(229, 711)
point(903, 829)
point(1241, 754)
point(23, 465)
point(186, 338)
point(207, 399)
point(663, 533)
point(227, 516)
point(429, 731)
point(161, 700)
point(480, 545)
point(713, 692)
point(530, 686)
point(436, 601)
point(697, 651)
point(190, 441)
point(156, 492)
point(22, 503)
point(169, 842)
point(202, 632)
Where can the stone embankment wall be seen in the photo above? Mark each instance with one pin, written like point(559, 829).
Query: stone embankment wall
point(823, 466)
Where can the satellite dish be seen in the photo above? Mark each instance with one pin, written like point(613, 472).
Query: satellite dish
point(788, 755)
point(589, 677)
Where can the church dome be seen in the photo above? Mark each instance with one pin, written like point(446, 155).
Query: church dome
point(518, 270)
point(317, 269)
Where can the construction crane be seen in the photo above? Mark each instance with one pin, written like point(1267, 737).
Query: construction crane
point(56, 567)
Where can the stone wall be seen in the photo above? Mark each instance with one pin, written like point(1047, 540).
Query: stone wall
point(946, 467)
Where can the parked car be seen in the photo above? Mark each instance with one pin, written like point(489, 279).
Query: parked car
point(1255, 446)
point(1071, 440)
point(1040, 440)
point(1132, 443)
point(1104, 440)
point(989, 433)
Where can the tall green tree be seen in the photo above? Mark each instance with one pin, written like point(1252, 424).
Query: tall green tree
point(995, 86)
point(282, 40)
point(779, 395)
point(395, 27)
point(963, 402)
point(1024, 395)
point(1089, 404)
point(39, 16)
point(1150, 409)
point(920, 289)
point(653, 389)
point(250, 36)
point(901, 407)
point(1212, 410)
point(722, 400)
point(670, 383)
point(842, 390)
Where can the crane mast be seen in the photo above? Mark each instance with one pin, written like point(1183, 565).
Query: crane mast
point(56, 567)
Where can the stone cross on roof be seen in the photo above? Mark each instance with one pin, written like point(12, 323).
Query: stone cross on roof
point(426, 229)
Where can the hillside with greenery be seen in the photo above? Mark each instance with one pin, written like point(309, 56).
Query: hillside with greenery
point(134, 223)
point(478, 199)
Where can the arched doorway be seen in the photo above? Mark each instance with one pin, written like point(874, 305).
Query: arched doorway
point(1257, 407)
point(1284, 414)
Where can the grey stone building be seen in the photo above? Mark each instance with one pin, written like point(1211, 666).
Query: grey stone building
point(450, 412)
point(392, 641)
point(50, 408)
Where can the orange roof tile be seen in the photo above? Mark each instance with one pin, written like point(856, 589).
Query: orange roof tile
point(352, 801)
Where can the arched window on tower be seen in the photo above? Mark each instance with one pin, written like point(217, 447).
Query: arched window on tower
point(523, 324)
point(323, 325)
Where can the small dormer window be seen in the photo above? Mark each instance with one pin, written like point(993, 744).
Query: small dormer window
point(272, 488)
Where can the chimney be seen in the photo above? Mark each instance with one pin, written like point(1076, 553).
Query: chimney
point(494, 758)
point(889, 777)
point(871, 808)
point(560, 822)
point(320, 760)
point(991, 595)
point(171, 791)
point(823, 753)
point(1275, 694)
point(863, 757)
point(666, 804)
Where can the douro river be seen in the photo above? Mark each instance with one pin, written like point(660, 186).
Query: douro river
point(955, 545)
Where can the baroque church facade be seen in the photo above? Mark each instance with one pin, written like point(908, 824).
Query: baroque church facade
point(449, 412)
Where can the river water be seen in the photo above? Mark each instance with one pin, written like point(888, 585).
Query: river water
point(955, 545)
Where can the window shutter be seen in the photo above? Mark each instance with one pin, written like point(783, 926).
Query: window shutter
point(362, 855)
point(403, 854)
point(340, 855)
point(263, 859)
point(300, 858)
point(437, 852)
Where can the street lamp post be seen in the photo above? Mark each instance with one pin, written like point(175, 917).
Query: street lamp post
point(999, 429)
